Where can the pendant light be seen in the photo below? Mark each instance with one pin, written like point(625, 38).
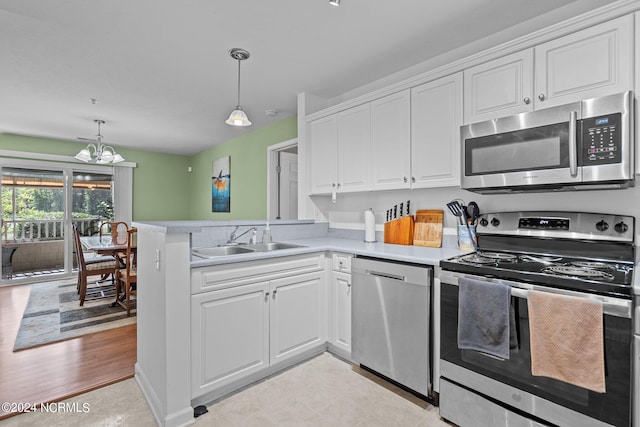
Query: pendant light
point(237, 116)
point(102, 154)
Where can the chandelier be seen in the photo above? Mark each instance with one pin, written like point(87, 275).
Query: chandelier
point(97, 152)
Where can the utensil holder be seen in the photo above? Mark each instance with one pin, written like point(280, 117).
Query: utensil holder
point(467, 237)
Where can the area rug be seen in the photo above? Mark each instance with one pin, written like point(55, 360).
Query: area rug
point(53, 313)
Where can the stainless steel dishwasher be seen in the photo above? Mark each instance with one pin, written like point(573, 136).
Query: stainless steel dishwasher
point(391, 306)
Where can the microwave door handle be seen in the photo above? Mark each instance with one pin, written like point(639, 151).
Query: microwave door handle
point(573, 144)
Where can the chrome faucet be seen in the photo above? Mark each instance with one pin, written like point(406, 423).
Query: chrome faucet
point(233, 237)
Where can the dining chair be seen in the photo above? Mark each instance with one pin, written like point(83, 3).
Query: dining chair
point(127, 277)
point(117, 230)
point(99, 267)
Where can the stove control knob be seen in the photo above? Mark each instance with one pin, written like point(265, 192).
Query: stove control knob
point(602, 226)
point(484, 222)
point(495, 222)
point(621, 227)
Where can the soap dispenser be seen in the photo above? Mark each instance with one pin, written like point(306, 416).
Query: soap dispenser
point(266, 234)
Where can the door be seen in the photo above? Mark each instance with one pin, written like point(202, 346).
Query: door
point(499, 88)
point(288, 186)
point(229, 335)
point(296, 315)
point(594, 62)
point(391, 141)
point(436, 116)
point(612, 407)
point(38, 209)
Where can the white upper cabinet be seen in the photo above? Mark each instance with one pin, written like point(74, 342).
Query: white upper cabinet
point(339, 147)
point(354, 146)
point(436, 116)
point(323, 150)
point(499, 88)
point(593, 62)
point(391, 141)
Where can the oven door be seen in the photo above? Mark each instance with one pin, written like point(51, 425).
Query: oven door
point(536, 148)
point(510, 381)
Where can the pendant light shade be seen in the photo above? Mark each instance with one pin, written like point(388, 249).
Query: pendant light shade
point(238, 117)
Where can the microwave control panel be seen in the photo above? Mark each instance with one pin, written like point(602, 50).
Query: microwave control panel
point(601, 140)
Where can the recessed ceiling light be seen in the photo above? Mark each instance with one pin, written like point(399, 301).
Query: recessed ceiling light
point(271, 112)
point(334, 2)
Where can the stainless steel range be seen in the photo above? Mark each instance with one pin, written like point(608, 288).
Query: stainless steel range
point(583, 255)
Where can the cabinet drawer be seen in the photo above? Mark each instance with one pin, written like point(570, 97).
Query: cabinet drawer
point(342, 262)
point(212, 278)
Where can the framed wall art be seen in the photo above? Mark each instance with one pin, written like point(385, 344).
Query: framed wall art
point(221, 185)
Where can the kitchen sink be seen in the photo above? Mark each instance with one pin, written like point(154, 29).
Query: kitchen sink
point(241, 249)
point(273, 246)
point(220, 251)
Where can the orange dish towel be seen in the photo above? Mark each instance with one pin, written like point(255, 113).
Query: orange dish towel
point(567, 341)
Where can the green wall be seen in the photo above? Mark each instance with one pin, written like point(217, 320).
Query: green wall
point(248, 172)
point(159, 180)
point(163, 189)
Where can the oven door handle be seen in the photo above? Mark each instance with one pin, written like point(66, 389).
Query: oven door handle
point(617, 307)
point(611, 306)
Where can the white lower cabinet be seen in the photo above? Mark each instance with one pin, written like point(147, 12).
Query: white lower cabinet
point(339, 298)
point(341, 287)
point(238, 331)
point(229, 335)
point(296, 315)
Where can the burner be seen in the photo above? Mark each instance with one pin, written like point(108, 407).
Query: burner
point(541, 259)
point(498, 256)
point(489, 258)
point(575, 271)
point(591, 264)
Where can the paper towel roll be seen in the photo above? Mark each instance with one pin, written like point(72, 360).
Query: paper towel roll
point(369, 226)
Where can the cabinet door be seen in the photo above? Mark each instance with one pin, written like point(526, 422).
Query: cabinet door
point(499, 88)
point(342, 311)
point(354, 146)
point(436, 116)
point(296, 315)
point(594, 62)
point(391, 141)
point(229, 335)
point(323, 155)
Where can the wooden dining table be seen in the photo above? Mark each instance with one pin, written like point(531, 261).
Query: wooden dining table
point(104, 245)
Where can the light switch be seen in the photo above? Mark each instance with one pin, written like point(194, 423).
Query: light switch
point(157, 259)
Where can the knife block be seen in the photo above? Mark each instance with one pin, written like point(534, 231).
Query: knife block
point(399, 231)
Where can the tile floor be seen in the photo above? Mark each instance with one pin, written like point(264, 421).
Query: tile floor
point(324, 391)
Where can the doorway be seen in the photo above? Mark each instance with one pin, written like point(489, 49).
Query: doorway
point(39, 205)
point(282, 180)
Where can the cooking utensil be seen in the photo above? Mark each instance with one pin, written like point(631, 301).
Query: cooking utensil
point(456, 209)
point(473, 212)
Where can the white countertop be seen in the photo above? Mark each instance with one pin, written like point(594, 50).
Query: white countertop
point(405, 253)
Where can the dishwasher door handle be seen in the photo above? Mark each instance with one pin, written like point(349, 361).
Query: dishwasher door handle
point(386, 275)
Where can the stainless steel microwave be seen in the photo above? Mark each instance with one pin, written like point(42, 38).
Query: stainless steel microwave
point(583, 145)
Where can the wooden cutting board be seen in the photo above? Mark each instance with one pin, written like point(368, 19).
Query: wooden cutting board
point(428, 228)
point(399, 231)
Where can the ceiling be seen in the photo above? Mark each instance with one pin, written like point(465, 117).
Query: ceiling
point(164, 81)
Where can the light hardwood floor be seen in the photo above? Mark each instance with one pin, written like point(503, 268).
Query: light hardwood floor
point(54, 372)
